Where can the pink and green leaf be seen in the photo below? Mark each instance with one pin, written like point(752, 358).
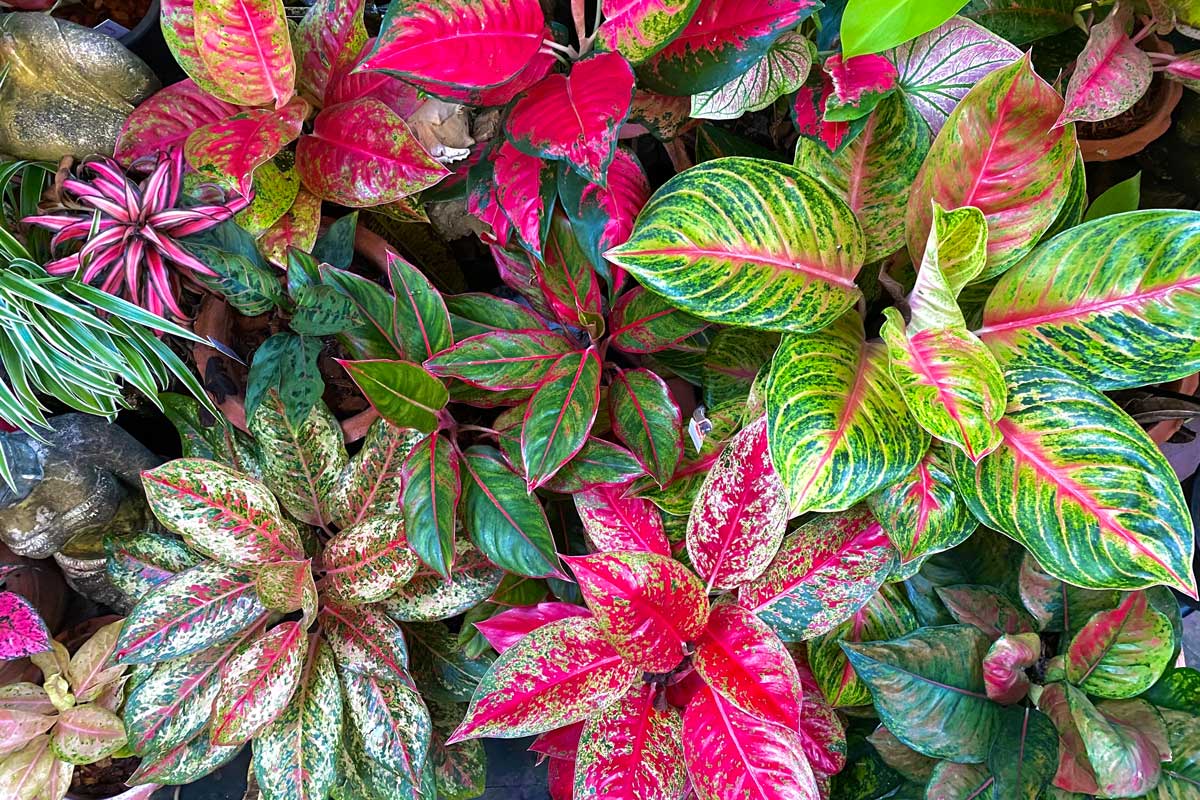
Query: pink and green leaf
point(365, 640)
point(296, 229)
point(231, 149)
point(509, 627)
point(632, 749)
point(257, 684)
point(429, 596)
point(85, 734)
point(644, 322)
point(327, 42)
point(613, 522)
point(246, 49)
point(1005, 663)
point(1111, 73)
point(523, 187)
point(502, 360)
point(859, 83)
point(560, 415)
point(287, 586)
point(432, 487)
point(420, 319)
point(392, 720)
point(403, 393)
point(168, 118)
point(637, 29)
point(647, 419)
point(22, 631)
point(369, 561)
point(923, 513)
point(373, 481)
point(822, 732)
point(988, 609)
point(1121, 653)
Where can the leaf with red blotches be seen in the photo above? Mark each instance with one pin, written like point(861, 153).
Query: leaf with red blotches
point(575, 117)
point(988, 609)
point(1111, 74)
point(637, 29)
point(167, 119)
point(859, 83)
point(740, 515)
point(369, 560)
point(297, 229)
point(246, 49)
point(730, 753)
point(557, 675)
point(1121, 653)
point(328, 40)
point(509, 627)
point(559, 415)
point(632, 750)
point(613, 522)
point(821, 730)
point(257, 683)
point(808, 113)
point(22, 631)
point(365, 640)
point(231, 149)
point(1004, 666)
point(344, 85)
point(743, 660)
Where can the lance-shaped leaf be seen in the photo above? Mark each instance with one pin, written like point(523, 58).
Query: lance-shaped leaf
point(429, 596)
point(960, 781)
point(632, 749)
point(198, 607)
point(837, 427)
point(567, 280)
point(168, 117)
point(598, 463)
point(420, 318)
point(1100, 510)
point(782, 70)
point(643, 322)
point(327, 42)
point(648, 606)
point(874, 172)
point(365, 640)
point(1059, 606)
point(296, 755)
point(574, 118)
point(439, 667)
point(1049, 311)
point(885, 616)
point(748, 242)
point(469, 44)
point(740, 515)
point(86, 733)
point(988, 609)
point(503, 519)
point(373, 482)
point(246, 49)
point(560, 415)
point(302, 458)
point(184, 763)
point(402, 392)
point(1000, 153)
point(220, 513)
point(523, 192)
point(231, 149)
point(24, 773)
point(361, 153)
point(729, 751)
point(460, 770)
point(474, 313)
point(509, 627)
point(1111, 74)
point(1122, 652)
point(720, 42)
point(923, 513)
point(647, 419)
point(392, 720)
point(22, 631)
point(743, 660)
point(824, 572)
point(559, 674)
point(938, 68)
point(502, 360)
point(637, 29)
point(369, 561)
point(613, 522)
point(258, 683)
point(1005, 664)
point(928, 689)
point(432, 487)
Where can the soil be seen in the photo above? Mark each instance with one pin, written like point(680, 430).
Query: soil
point(105, 778)
point(90, 13)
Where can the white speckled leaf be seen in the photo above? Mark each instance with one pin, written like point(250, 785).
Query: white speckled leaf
point(365, 640)
point(87, 733)
point(257, 683)
point(369, 561)
point(392, 720)
point(429, 596)
point(783, 69)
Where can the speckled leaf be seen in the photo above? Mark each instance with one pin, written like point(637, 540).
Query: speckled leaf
point(742, 659)
point(86, 733)
point(988, 609)
point(327, 42)
point(1119, 320)
point(885, 616)
point(1124, 526)
point(647, 419)
point(183, 763)
point(501, 517)
point(874, 172)
point(1181, 775)
point(1059, 606)
point(429, 596)
point(197, 608)
point(22, 631)
point(460, 769)
point(928, 689)
point(837, 427)
point(372, 482)
point(361, 153)
point(748, 242)
point(275, 192)
point(922, 513)
point(20, 726)
point(365, 640)
point(509, 627)
point(738, 521)
point(287, 586)
point(246, 50)
point(632, 750)
point(1120, 653)
point(392, 720)
point(258, 683)
point(24, 772)
point(730, 753)
point(1111, 74)
point(440, 668)
point(296, 229)
point(613, 522)
point(169, 116)
point(638, 29)
point(647, 605)
point(644, 322)
point(220, 513)
point(502, 360)
point(824, 571)
point(1178, 689)
point(559, 674)
point(369, 561)
point(432, 487)
point(1005, 664)
point(782, 70)
point(559, 416)
point(938, 68)
point(720, 42)
point(402, 392)
point(231, 149)
point(999, 153)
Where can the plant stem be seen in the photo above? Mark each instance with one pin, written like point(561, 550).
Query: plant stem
point(579, 15)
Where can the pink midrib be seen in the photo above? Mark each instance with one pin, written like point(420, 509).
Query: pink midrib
point(562, 411)
point(268, 73)
point(929, 372)
point(1103, 64)
point(852, 401)
point(1126, 613)
point(246, 696)
point(241, 588)
point(363, 637)
point(752, 257)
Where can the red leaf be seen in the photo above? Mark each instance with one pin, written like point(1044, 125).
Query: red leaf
point(740, 515)
point(647, 605)
point(1004, 666)
point(328, 40)
point(246, 48)
point(746, 663)
point(22, 632)
point(640, 28)
point(167, 118)
point(821, 729)
point(524, 193)
point(631, 750)
point(560, 743)
point(859, 84)
point(345, 85)
point(466, 44)
point(1111, 73)
point(808, 112)
point(575, 117)
point(537, 68)
point(560, 776)
point(615, 523)
point(232, 148)
point(361, 154)
point(509, 627)
point(730, 753)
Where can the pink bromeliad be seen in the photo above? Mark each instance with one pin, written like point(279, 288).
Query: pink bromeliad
point(130, 230)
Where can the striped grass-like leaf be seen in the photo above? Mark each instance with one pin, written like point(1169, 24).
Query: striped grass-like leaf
point(1082, 487)
point(748, 242)
point(838, 428)
point(632, 748)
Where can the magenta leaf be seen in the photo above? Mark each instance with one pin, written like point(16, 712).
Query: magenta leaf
point(327, 41)
point(1004, 666)
point(537, 68)
point(637, 29)
point(632, 749)
point(245, 46)
point(603, 216)
point(613, 522)
point(821, 730)
point(508, 627)
point(231, 149)
point(346, 84)
point(167, 119)
point(859, 84)
point(524, 193)
point(1111, 73)
point(22, 632)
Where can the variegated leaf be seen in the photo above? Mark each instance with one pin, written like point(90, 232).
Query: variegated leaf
point(287, 586)
point(429, 596)
point(1111, 74)
point(373, 480)
point(822, 732)
point(327, 41)
point(439, 667)
point(508, 627)
point(22, 630)
point(369, 561)
point(1121, 653)
point(402, 392)
point(19, 727)
point(392, 720)
point(25, 772)
point(781, 71)
point(257, 684)
point(632, 749)
point(246, 50)
point(644, 322)
point(91, 670)
point(1059, 606)
point(86, 733)
point(613, 522)
point(923, 513)
point(559, 415)
point(183, 763)
point(990, 610)
point(502, 360)
point(230, 150)
point(638, 29)
point(732, 363)
point(139, 562)
point(598, 463)
point(365, 640)
point(1004, 666)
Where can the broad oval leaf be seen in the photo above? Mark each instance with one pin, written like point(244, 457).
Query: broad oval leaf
point(560, 415)
point(559, 674)
point(87, 733)
point(1082, 487)
point(365, 640)
point(1121, 653)
point(302, 458)
point(740, 515)
point(402, 392)
point(867, 27)
point(432, 488)
point(603, 216)
point(430, 596)
point(168, 118)
point(231, 149)
point(748, 242)
point(1005, 663)
point(923, 513)
point(1059, 606)
point(613, 522)
point(1111, 73)
point(509, 627)
point(824, 572)
point(367, 562)
point(637, 29)
point(1142, 275)
point(998, 152)
point(781, 71)
point(19, 727)
point(361, 153)
point(928, 689)
point(327, 42)
point(258, 683)
point(391, 719)
point(22, 631)
point(648, 606)
point(647, 419)
point(246, 49)
point(838, 429)
point(632, 749)
point(502, 360)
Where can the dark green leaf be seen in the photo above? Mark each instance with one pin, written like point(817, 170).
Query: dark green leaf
point(432, 487)
point(403, 393)
point(322, 311)
point(419, 316)
point(336, 246)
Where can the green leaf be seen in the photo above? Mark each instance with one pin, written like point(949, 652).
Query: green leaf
point(402, 392)
point(1024, 757)
point(951, 781)
point(422, 323)
point(748, 242)
point(733, 361)
point(908, 762)
point(644, 322)
point(502, 360)
point(460, 770)
point(1178, 689)
point(203, 435)
point(923, 513)
point(336, 246)
point(1121, 653)
point(286, 365)
point(474, 313)
point(872, 26)
point(866, 775)
point(1116, 199)
point(439, 667)
point(184, 763)
point(287, 586)
point(1180, 775)
point(139, 562)
point(1023, 22)
point(838, 429)
point(1076, 203)
point(274, 193)
point(257, 683)
point(391, 719)
point(560, 415)
point(322, 311)
point(250, 288)
point(432, 487)
point(647, 419)
point(1082, 487)
point(929, 691)
point(374, 337)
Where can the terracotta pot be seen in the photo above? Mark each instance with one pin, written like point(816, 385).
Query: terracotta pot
point(1161, 432)
point(1167, 96)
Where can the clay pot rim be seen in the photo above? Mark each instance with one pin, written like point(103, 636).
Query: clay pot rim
point(1159, 123)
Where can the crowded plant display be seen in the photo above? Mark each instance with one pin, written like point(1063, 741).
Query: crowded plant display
point(728, 399)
